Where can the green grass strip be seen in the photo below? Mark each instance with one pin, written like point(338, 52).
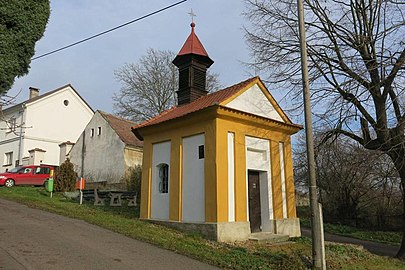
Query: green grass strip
point(393, 238)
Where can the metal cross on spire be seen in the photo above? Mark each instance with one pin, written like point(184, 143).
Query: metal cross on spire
point(192, 15)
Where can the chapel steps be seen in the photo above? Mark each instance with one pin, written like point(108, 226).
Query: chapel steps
point(267, 237)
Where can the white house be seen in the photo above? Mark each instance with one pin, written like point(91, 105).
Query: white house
point(31, 131)
point(105, 150)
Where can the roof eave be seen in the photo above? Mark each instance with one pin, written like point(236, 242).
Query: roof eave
point(137, 133)
point(133, 146)
point(214, 107)
point(295, 127)
point(49, 93)
point(138, 130)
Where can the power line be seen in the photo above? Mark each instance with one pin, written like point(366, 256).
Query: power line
point(109, 30)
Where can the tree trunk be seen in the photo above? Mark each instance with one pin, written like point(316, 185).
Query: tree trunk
point(398, 157)
point(401, 251)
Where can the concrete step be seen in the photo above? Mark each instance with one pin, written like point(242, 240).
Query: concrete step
point(266, 237)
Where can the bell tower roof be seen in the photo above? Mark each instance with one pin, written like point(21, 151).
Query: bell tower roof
point(192, 62)
point(193, 44)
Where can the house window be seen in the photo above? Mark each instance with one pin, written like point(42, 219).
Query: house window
point(66, 102)
point(99, 131)
point(163, 178)
point(8, 159)
point(92, 132)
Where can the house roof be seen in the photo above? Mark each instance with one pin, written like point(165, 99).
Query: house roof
point(193, 45)
point(28, 101)
point(123, 129)
point(199, 104)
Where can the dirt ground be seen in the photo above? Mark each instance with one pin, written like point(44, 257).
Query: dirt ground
point(34, 239)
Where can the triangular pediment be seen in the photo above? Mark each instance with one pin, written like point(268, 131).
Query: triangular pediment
point(255, 99)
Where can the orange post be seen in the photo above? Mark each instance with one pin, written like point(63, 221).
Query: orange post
point(80, 184)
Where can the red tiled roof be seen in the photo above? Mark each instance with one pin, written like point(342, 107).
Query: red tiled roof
point(123, 129)
point(199, 104)
point(193, 45)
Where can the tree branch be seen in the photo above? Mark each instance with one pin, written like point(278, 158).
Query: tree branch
point(397, 66)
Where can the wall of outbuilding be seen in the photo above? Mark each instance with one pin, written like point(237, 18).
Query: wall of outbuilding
point(99, 158)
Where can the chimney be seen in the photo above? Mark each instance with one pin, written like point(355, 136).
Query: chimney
point(34, 92)
point(36, 156)
point(64, 151)
point(192, 62)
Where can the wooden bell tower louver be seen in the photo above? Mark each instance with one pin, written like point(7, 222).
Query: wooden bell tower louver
point(192, 62)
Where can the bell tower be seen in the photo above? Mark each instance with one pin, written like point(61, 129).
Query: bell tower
point(192, 62)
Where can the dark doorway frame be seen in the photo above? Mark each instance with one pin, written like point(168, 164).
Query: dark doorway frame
point(255, 216)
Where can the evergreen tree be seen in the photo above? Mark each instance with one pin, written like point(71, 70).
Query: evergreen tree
point(65, 177)
point(22, 24)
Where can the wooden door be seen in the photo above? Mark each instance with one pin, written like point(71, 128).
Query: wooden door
point(254, 202)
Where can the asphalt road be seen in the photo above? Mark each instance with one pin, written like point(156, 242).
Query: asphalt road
point(34, 239)
point(373, 247)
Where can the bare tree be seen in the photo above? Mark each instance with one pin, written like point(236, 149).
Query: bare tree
point(10, 123)
point(149, 86)
point(356, 53)
point(356, 186)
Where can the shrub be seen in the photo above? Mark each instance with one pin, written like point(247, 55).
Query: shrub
point(65, 177)
point(133, 180)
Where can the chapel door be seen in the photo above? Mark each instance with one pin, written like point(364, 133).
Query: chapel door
point(254, 202)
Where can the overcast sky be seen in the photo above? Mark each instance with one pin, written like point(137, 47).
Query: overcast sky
point(90, 66)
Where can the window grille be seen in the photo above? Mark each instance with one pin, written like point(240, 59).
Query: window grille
point(164, 178)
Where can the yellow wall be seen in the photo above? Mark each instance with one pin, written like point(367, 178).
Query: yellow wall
point(175, 133)
point(222, 172)
point(241, 127)
point(146, 178)
point(290, 189)
point(276, 178)
point(216, 123)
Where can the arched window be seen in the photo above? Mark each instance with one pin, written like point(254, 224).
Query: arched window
point(163, 178)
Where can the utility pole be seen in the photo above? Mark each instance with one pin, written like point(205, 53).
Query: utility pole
point(316, 222)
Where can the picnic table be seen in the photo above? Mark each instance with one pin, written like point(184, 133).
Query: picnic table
point(115, 197)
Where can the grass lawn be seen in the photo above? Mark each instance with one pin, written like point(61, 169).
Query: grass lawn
point(243, 255)
point(393, 238)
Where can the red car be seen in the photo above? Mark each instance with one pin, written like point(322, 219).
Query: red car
point(26, 175)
